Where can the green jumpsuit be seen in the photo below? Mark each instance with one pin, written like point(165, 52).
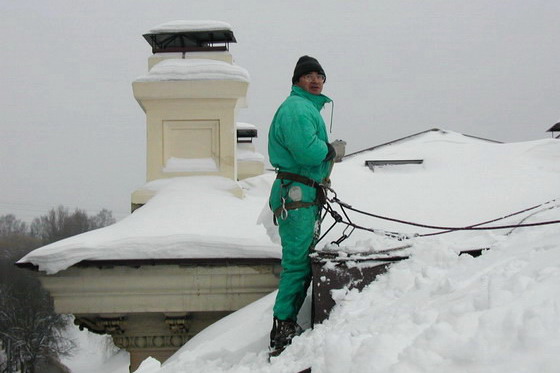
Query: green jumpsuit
point(297, 143)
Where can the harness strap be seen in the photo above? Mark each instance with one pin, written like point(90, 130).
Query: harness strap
point(281, 211)
point(298, 178)
point(292, 206)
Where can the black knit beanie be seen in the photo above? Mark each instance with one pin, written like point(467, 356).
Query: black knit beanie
point(306, 65)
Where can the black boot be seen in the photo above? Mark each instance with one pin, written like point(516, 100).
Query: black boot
point(281, 335)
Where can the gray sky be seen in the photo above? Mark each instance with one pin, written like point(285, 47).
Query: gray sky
point(71, 132)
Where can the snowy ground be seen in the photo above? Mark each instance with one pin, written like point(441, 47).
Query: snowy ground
point(94, 353)
point(437, 311)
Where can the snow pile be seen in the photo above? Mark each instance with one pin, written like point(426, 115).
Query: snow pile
point(194, 69)
point(94, 353)
point(439, 312)
point(436, 312)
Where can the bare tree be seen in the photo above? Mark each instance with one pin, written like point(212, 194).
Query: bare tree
point(30, 330)
point(29, 327)
point(10, 225)
point(102, 219)
point(59, 223)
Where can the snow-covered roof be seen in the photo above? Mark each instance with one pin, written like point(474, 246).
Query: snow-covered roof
point(462, 181)
point(410, 137)
point(190, 26)
point(194, 69)
point(195, 217)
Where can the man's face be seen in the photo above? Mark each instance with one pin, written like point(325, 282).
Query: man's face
point(312, 83)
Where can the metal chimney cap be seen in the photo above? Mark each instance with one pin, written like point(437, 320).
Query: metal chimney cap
point(190, 36)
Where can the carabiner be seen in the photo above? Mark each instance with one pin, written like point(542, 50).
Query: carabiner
point(284, 212)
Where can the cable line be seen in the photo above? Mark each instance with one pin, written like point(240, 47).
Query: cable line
point(442, 229)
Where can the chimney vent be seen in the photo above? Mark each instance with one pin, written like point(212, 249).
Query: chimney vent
point(190, 36)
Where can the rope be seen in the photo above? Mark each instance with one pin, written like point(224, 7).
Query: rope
point(332, 114)
point(501, 218)
point(467, 228)
point(533, 214)
point(443, 229)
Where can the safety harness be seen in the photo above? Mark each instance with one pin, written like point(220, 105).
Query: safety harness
point(320, 198)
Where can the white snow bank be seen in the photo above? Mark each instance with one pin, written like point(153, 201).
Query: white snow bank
point(94, 353)
point(194, 69)
point(148, 365)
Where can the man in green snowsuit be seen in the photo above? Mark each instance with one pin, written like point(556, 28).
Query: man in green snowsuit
point(299, 149)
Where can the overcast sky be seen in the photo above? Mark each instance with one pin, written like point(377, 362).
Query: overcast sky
point(71, 132)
